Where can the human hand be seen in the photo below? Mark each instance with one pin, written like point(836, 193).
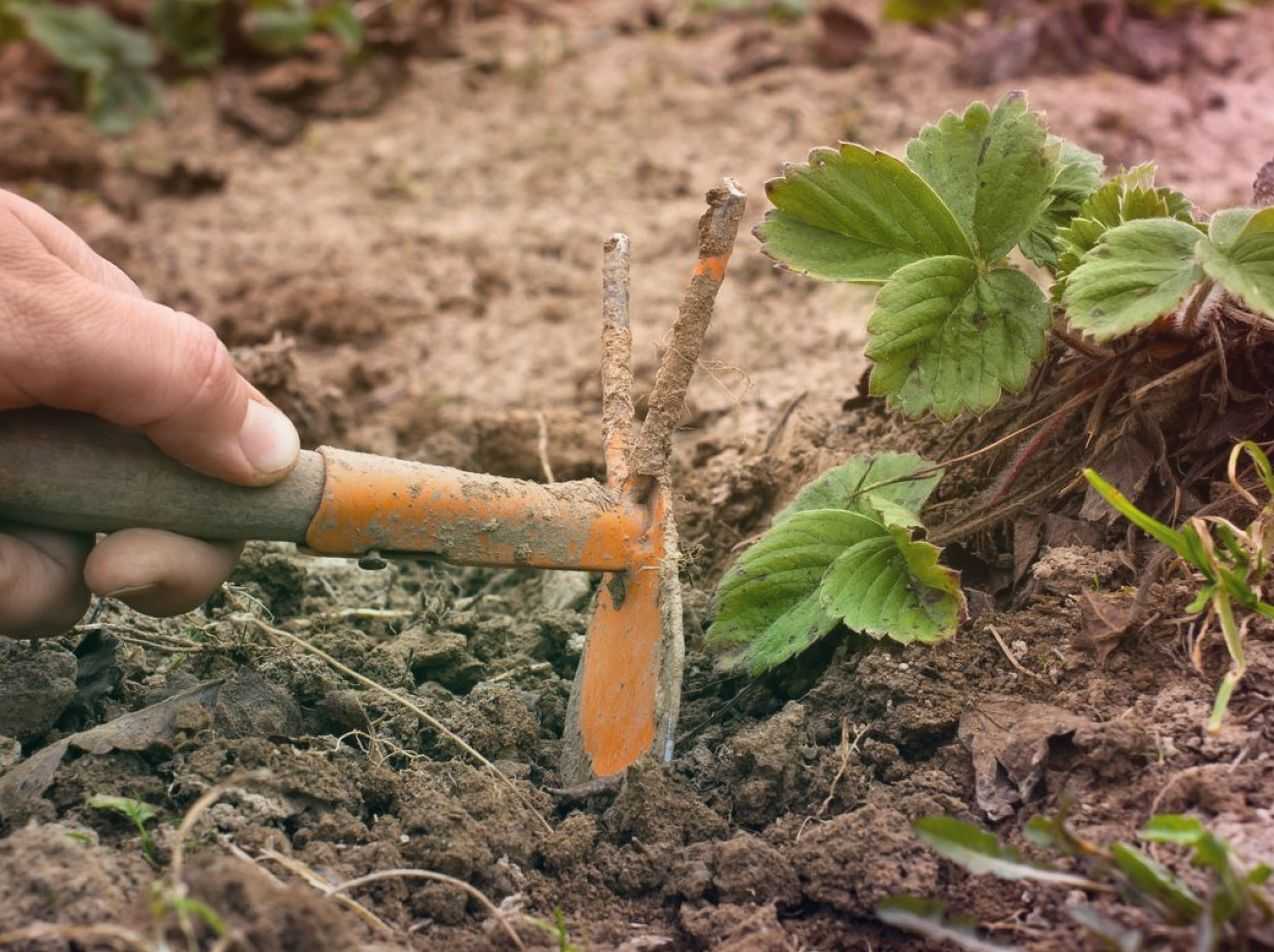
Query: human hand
point(77, 334)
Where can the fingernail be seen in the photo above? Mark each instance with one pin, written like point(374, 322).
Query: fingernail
point(268, 439)
point(126, 591)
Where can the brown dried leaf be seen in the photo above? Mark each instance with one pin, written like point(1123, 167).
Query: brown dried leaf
point(1027, 531)
point(1127, 465)
point(1106, 620)
point(1263, 187)
point(1008, 740)
point(843, 38)
point(244, 705)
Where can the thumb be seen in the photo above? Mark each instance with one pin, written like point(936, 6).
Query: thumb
point(140, 364)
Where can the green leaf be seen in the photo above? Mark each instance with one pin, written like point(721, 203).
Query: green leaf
point(856, 215)
point(1079, 171)
point(1051, 832)
point(1239, 255)
point(1129, 196)
point(120, 98)
point(992, 168)
point(1137, 273)
point(981, 852)
point(1170, 537)
point(191, 29)
point(1132, 195)
point(197, 908)
point(768, 603)
point(928, 918)
point(842, 487)
point(1259, 460)
point(927, 12)
point(137, 811)
point(11, 26)
point(892, 586)
point(1078, 176)
point(281, 29)
point(1172, 828)
point(1154, 882)
point(816, 568)
point(113, 57)
point(338, 18)
point(1230, 891)
point(83, 37)
point(947, 338)
point(1212, 852)
point(1045, 831)
point(1227, 225)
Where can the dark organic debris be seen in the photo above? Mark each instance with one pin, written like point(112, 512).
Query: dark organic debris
point(843, 38)
point(241, 706)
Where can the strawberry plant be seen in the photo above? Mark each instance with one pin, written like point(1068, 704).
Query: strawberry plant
point(1146, 299)
point(115, 64)
point(844, 552)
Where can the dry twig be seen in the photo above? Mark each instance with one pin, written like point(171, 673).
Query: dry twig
point(437, 878)
point(1012, 660)
point(295, 866)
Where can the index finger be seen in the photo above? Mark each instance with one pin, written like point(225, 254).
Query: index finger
point(65, 245)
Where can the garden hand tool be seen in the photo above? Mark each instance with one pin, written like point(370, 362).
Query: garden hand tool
point(69, 471)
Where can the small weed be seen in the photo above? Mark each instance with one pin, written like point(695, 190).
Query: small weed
point(557, 931)
point(138, 813)
point(1234, 904)
point(1231, 560)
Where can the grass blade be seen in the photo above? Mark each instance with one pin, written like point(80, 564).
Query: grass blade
point(981, 852)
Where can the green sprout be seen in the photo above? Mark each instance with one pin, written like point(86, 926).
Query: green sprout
point(137, 812)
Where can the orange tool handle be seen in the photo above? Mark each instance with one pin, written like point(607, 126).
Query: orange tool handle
point(70, 471)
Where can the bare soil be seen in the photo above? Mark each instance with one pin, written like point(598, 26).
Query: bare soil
point(424, 281)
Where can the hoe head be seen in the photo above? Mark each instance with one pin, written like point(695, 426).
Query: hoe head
point(625, 699)
point(627, 692)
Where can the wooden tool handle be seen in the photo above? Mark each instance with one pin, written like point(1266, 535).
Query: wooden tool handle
point(70, 471)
